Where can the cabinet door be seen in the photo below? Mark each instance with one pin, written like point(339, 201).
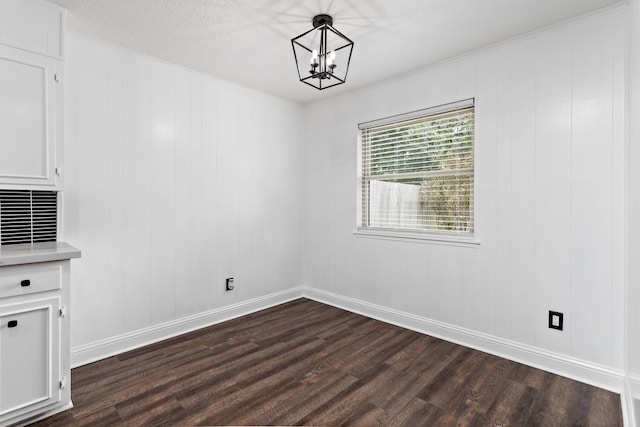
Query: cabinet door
point(29, 356)
point(27, 117)
point(33, 25)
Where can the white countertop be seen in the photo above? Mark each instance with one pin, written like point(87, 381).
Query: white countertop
point(27, 253)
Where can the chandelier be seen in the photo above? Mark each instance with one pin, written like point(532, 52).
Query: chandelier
point(322, 54)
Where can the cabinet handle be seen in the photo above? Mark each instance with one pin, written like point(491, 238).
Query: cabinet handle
point(25, 283)
point(12, 323)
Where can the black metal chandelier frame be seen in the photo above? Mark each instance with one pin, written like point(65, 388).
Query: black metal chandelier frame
point(323, 70)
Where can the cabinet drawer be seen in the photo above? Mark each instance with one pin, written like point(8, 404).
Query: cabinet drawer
point(29, 278)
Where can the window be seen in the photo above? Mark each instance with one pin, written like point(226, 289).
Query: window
point(417, 172)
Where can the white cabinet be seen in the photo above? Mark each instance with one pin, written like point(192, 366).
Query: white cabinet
point(35, 351)
point(33, 25)
point(29, 356)
point(31, 48)
point(28, 116)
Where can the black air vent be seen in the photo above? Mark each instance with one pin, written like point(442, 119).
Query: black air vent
point(28, 216)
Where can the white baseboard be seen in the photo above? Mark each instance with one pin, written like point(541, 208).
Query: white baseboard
point(84, 354)
point(628, 401)
point(587, 372)
point(40, 415)
point(633, 400)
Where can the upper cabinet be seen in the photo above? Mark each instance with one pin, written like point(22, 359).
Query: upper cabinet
point(31, 48)
point(33, 25)
point(27, 119)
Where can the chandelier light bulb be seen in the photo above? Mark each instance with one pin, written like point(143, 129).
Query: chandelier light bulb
point(314, 57)
point(331, 58)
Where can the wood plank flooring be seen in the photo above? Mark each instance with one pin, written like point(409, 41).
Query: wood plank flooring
point(306, 363)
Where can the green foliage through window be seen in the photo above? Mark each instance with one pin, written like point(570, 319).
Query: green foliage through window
point(418, 174)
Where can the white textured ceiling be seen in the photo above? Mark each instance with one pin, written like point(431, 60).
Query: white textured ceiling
point(248, 41)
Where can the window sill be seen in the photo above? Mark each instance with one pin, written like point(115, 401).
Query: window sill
point(417, 237)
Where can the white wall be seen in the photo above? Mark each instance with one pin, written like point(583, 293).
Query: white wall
point(174, 181)
point(157, 201)
point(549, 195)
point(633, 213)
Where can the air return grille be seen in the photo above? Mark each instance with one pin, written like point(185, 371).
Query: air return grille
point(28, 216)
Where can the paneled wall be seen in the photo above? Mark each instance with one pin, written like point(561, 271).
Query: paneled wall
point(174, 181)
point(633, 256)
point(549, 194)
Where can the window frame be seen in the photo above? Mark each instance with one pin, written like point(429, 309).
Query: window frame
point(414, 235)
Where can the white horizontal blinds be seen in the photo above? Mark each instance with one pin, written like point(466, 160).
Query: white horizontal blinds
point(417, 173)
point(28, 216)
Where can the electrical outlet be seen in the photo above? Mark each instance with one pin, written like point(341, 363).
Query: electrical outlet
point(229, 284)
point(556, 320)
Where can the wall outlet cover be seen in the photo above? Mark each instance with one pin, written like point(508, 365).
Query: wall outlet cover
point(556, 320)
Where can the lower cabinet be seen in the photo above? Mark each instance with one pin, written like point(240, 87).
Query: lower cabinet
point(34, 341)
point(29, 356)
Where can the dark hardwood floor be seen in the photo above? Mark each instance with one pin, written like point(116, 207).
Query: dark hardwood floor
point(306, 363)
